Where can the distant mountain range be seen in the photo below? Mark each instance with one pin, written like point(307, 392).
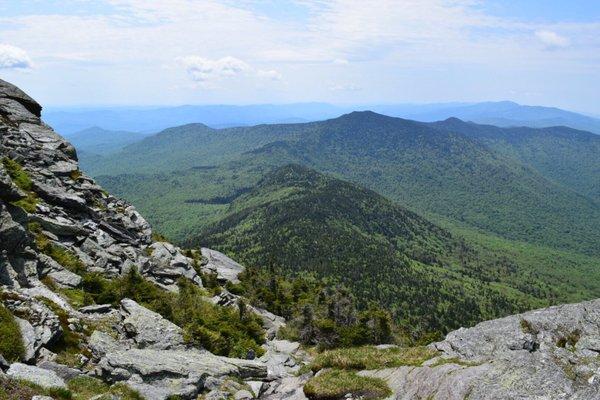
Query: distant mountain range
point(154, 119)
point(96, 140)
point(535, 185)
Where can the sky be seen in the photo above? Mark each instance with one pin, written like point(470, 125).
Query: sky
point(172, 52)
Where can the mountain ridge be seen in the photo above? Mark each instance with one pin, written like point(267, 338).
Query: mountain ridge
point(155, 118)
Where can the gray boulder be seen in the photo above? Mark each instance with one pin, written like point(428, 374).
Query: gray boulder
point(224, 267)
point(149, 329)
point(64, 372)
point(12, 92)
point(101, 343)
point(181, 372)
point(288, 388)
point(65, 278)
point(43, 377)
point(167, 264)
point(57, 195)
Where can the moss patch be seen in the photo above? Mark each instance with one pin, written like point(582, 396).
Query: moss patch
point(64, 257)
point(85, 387)
point(335, 384)
point(369, 357)
point(21, 179)
point(11, 344)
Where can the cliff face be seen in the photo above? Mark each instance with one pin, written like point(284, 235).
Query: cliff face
point(44, 195)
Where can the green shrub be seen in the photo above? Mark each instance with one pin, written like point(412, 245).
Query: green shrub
point(11, 343)
point(335, 384)
point(85, 387)
point(221, 330)
point(157, 237)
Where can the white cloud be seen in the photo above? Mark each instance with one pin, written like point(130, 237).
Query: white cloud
point(552, 40)
point(203, 69)
point(399, 50)
point(271, 74)
point(12, 57)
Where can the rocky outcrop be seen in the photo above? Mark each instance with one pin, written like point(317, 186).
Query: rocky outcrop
point(56, 222)
point(148, 329)
point(159, 373)
point(223, 267)
point(43, 377)
point(551, 353)
point(73, 213)
point(57, 227)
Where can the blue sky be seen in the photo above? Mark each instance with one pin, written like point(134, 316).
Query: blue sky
point(151, 52)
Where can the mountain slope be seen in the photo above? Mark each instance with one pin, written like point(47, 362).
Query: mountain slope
point(565, 155)
point(96, 140)
point(304, 222)
point(441, 172)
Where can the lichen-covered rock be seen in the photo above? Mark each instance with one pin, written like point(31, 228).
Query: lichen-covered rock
point(550, 353)
point(65, 278)
point(288, 388)
point(148, 329)
point(64, 372)
point(218, 263)
point(167, 264)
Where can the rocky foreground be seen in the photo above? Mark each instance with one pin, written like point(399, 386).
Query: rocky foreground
point(106, 235)
point(59, 212)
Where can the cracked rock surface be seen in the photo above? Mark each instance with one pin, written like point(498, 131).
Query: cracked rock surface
point(551, 353)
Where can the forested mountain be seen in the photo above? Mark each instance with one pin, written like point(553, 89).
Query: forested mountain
point(567, 156)
point(301, 221)
point(479, 176)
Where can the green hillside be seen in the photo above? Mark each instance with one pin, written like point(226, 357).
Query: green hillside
point(302, 221)
point(523, 199)
point(567, 156)
point(490, 179)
